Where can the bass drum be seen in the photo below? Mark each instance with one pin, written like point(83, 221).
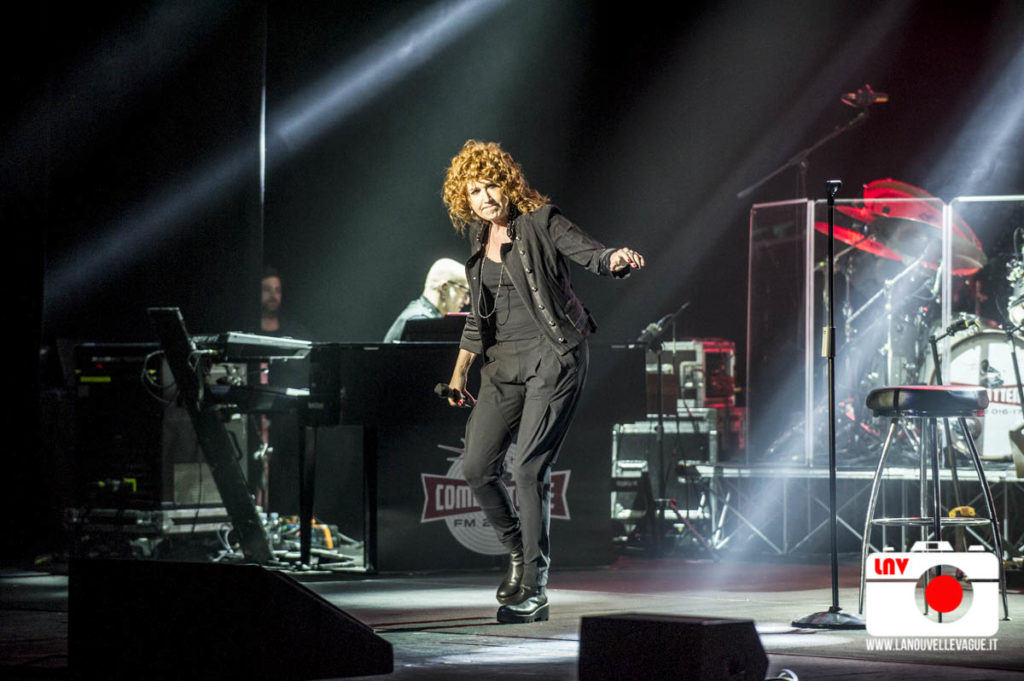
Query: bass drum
point(984, 359)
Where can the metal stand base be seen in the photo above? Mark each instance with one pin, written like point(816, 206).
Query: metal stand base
point(833, 618)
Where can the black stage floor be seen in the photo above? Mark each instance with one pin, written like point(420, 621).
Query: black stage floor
point(442, 626)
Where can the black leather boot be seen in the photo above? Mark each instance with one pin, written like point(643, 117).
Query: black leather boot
point(509, 587)
point(530, 604)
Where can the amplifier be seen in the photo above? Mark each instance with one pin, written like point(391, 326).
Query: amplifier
point(636, 450)
point(695, 373)
point(682, 376)
point(719, 372)
point(135, 447)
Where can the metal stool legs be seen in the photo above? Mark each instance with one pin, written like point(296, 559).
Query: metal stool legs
point(929, 457)
point(876, 483)
point(997, 541)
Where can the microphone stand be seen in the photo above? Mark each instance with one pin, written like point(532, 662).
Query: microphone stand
point(686, 470)
point(650, 339)
point(833, 618)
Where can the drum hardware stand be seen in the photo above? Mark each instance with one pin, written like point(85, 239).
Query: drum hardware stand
point(847, 305)
point(847, 308)
point(847, 275)
point(1017, 434)
point(833, 618)
point(887, 349)
point(933, 340)
point(889, 286)
point(886, 291)
point(1010, 335)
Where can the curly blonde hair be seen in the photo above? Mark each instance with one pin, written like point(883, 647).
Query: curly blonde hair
point(485, 161)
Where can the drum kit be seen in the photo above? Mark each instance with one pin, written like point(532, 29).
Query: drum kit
point(890, 315)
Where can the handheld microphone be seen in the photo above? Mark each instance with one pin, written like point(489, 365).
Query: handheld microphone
point(445, 392)
point(864, 97)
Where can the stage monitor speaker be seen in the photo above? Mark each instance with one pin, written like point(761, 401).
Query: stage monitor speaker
point(640, 647)
point(161, 620)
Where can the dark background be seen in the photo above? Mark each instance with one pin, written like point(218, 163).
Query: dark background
point(131, 171)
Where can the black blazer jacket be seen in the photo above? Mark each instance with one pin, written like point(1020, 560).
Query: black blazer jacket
point(543, 243)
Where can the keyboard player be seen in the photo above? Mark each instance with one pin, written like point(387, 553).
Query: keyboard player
point(281, 478)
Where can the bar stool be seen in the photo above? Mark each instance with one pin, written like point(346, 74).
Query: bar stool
point(927, 404)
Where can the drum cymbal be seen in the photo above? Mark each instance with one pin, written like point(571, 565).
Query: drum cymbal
point(908, 219)
point(967, 257)
point(864, 242)
point(858, 213)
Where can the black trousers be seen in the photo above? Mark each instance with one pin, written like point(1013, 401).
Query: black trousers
point(528, 395)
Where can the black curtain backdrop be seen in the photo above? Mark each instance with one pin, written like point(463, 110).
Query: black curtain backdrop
point(131, 177)
point(131, 165)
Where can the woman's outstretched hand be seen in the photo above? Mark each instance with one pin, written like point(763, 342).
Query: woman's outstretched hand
point(625, 257)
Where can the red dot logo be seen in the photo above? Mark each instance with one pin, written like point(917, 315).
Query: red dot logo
point(944, 594)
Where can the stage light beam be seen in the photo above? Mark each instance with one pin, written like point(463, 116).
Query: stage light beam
point(354, 84)
point(995, 128)
point(308, 116)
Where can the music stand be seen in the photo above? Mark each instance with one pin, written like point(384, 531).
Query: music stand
point(446, 329)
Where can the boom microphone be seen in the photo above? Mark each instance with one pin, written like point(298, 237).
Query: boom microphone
point(961, 324)
point(652, 331)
